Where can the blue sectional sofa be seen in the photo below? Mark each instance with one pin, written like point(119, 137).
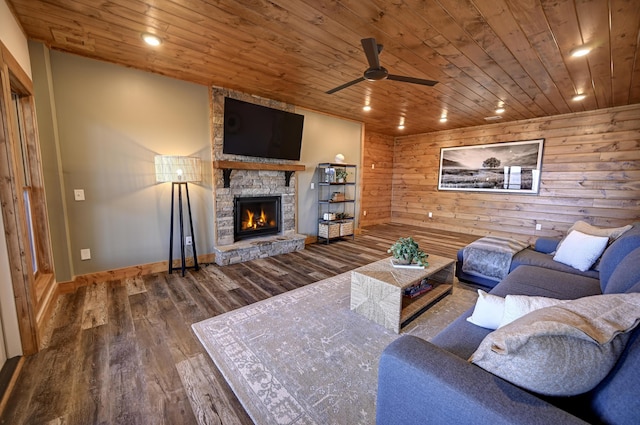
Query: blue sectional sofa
point(433, 382)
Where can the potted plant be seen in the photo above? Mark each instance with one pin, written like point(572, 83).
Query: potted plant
point(406, 251)
point(341, 175)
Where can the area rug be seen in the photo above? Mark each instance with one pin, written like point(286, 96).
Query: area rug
point(303, 357)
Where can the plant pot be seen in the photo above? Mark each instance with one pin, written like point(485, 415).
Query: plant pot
point(402, 261)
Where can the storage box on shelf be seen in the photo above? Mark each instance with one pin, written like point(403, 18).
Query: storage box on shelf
point(336, 200)
point(328, 230)
point(346, 228)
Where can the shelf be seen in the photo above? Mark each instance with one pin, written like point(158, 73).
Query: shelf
point(246, 165)
point(411, 307)
point(344, 193)
point(335, 165)
point(228, 166)
point(336, 184)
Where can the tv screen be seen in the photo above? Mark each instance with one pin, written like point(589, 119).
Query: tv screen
point(259, 131)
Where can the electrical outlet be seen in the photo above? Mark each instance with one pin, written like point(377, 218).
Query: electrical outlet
point(313, 186)
point(188, 241)
point(430, 214)
point(78, 194)
point(538, 226)
point(85, 254)
point(364, 213)
point(373, 166)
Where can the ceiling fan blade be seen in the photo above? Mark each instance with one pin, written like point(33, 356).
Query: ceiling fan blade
point(411, 80)
point(371, 49)
point(345, 85)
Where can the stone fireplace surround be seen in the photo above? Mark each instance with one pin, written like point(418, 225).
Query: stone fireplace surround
point(249, 182)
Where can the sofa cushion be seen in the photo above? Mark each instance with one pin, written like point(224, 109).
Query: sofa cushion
point(537, 281)
point(580, 250)
point(612, 233)
point(563, 350)
point(615, 400)
point(626, 275)
point(462, 338)
point(614, 254)
point(488, 311)
point(516, 306)
point(534, 258)
point(493, 312)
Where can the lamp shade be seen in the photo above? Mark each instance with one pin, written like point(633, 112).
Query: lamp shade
point(171, 168)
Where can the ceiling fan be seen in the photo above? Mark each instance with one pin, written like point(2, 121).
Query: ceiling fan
point(376, 72)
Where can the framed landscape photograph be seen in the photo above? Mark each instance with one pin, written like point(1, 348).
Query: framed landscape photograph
point(512, 167)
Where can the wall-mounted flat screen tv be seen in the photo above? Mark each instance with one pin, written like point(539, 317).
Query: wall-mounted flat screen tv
point(259, 131)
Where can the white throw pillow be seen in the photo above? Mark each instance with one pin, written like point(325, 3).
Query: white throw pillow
point(580, 250)
point(612, 233)
point(516, 306)
point(488, 310)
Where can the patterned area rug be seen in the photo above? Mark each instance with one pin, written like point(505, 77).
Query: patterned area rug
point(303, 357)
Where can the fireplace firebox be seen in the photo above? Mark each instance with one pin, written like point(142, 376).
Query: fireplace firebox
point(256, 216)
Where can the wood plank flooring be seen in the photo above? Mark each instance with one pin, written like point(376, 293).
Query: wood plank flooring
point(122, 352)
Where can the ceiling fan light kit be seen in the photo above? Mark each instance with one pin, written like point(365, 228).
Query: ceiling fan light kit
point(377, 72)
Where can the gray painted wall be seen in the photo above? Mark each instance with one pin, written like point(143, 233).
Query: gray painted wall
point(323, 138)
point(111, 121)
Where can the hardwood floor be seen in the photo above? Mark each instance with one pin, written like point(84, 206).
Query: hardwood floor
point(122, 352)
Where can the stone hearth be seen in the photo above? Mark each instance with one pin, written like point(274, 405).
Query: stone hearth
point(251, 249)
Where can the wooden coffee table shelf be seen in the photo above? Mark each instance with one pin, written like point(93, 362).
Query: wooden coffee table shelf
point(377, 290)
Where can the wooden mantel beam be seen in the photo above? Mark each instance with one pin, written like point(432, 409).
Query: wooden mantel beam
point(228, 166)
point(245, 165)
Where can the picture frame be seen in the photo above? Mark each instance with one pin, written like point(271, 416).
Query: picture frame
point(509, 167)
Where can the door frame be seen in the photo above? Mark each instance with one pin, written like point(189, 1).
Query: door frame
point(31, 304)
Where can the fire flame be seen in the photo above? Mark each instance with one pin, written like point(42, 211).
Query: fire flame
point(260, 222)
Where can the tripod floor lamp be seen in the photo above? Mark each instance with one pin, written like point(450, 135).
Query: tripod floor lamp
point(179, 170)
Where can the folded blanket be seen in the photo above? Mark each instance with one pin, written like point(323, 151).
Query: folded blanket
point(491, 256)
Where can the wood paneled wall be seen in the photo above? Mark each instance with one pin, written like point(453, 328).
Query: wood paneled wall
point(590, 171)
point(376, 180)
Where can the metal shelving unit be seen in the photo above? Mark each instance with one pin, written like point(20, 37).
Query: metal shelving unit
point(336, 201)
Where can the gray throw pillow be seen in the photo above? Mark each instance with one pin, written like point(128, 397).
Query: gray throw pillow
point(562, 350)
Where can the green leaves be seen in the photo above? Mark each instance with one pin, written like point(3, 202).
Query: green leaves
point(407, 250)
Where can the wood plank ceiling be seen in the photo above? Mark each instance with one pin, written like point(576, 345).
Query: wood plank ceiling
point(484, 53)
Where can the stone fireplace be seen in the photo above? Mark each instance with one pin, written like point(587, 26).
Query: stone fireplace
point(236, 177)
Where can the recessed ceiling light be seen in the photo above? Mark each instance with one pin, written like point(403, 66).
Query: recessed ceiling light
point(443, 119)
point(578, 97)
point(580, 51)
point(151, 39)
point(366, 108)
point(499, 110)
point(401, 127)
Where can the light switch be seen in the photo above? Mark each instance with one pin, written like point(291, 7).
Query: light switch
point(78, 194)
point(85, 254)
